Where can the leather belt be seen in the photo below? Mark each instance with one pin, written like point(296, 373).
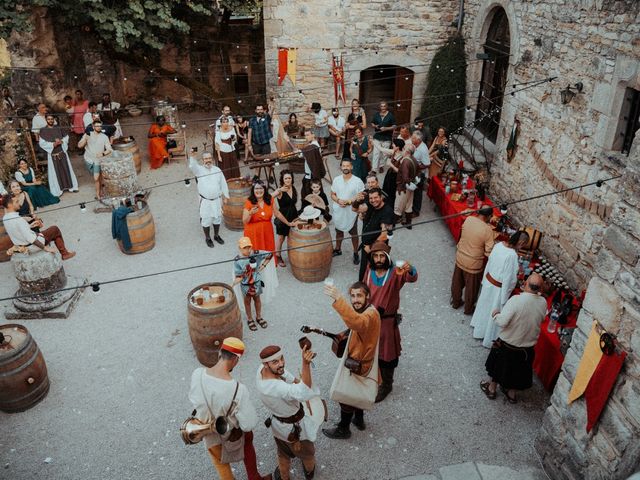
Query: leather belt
point(493, 281)
point(295, 418)
point(210, 199)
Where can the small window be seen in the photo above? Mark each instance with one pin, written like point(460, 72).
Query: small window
point(629, 121)
point(241, 82)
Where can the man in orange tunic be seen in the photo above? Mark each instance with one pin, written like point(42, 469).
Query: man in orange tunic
point(158, 142)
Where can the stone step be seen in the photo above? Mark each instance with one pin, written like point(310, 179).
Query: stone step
point(472, 145)
point(481, 471)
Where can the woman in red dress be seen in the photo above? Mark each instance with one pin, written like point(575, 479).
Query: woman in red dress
point(158, 142)
point(256, 216)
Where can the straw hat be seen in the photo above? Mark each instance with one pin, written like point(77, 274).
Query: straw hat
point(310, 213)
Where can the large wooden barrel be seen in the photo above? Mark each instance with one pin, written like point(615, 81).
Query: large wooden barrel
point(129, 145)
point(119, 174)
point(313, 262)
point(213, 321)
point(5, 241)
point(23, 372)
point(239, 190)
point(142, 231)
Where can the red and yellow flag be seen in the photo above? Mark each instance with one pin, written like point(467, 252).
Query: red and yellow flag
point(287, 58)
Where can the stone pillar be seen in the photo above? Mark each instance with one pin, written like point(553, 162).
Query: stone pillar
point(41, 279)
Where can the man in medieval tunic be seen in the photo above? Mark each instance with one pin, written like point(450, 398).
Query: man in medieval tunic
point(313, 163)
point(213, 192)
point(500, 278)
point(55, 140)
point(385, 282)
point(283, 395)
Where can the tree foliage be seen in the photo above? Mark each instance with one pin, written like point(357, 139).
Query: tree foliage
point(124, 25)
point(447, 77)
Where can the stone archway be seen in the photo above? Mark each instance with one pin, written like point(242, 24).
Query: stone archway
point(497, 49)
point(389, 83)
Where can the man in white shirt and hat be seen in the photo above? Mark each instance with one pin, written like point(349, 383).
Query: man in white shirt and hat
point(283, 395)
point(344, 191)
point(213, 191)
point(215, 394)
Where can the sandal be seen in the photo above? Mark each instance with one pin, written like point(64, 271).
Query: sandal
point(262, 322)
point(281, 262)
point(484, 386)
point(511, 400)
point(251, 323)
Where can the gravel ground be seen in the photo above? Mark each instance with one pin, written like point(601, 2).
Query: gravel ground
point(120, 366)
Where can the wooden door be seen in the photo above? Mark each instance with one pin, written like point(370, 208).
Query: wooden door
point(403, 96)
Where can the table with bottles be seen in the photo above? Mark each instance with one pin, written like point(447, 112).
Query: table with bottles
point(450, 203)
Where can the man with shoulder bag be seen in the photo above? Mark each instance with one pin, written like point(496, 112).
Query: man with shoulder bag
point(225, 402)
point(355, 384)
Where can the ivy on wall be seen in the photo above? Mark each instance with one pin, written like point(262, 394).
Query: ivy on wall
point(444, 105)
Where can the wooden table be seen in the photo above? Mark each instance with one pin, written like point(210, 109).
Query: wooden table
point(448, 206)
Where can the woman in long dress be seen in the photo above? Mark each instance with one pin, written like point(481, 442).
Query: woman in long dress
point(157, 135)
point(437, 145)
point(27, 210)
point(361, 148)
point(226, 147)
point(394, 157)
point(499, 280)
point(40, 196)
point(279, 141)
point(356, 118)
point(286, 211)
point(256, 217)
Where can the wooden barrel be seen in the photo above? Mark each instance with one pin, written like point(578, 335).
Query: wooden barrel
point(213, 321)
point(23, 372)
point(142, 231)
point(128, 144)
point(119, 174)
point(239, 190)
point(5, 241)
point(312, 263)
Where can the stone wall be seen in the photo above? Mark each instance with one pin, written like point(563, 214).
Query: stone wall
point(367, 32)
point(592, 235)
point(80, 61)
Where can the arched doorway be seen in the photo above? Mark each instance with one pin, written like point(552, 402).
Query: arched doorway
point(494, 75)
point(388, 83)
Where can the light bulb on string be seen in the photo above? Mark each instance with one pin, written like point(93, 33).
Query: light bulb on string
point(187, 182)
point(183, 125)
point(437, 66)
point(19, 132)
point(503, 209)
point(75, 77)
point(599, 183)
point(175, 79)
point(125, 79)
point(239, 100)
point(227, 79)
point(10, 120)
point(276, 164)
point(83, 207)
point(95, 286)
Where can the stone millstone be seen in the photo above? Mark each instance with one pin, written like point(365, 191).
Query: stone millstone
point(39, 275)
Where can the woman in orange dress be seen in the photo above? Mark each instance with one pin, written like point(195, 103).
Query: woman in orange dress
point(256, 216)
point(158, 142)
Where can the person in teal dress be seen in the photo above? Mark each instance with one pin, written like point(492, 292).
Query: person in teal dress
point(361, 148)
point(40, 196)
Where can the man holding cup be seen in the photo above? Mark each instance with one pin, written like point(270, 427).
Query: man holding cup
point(385, 282)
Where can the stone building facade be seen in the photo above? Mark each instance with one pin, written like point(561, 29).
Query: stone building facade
point(592, 235)
point(401, 37)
